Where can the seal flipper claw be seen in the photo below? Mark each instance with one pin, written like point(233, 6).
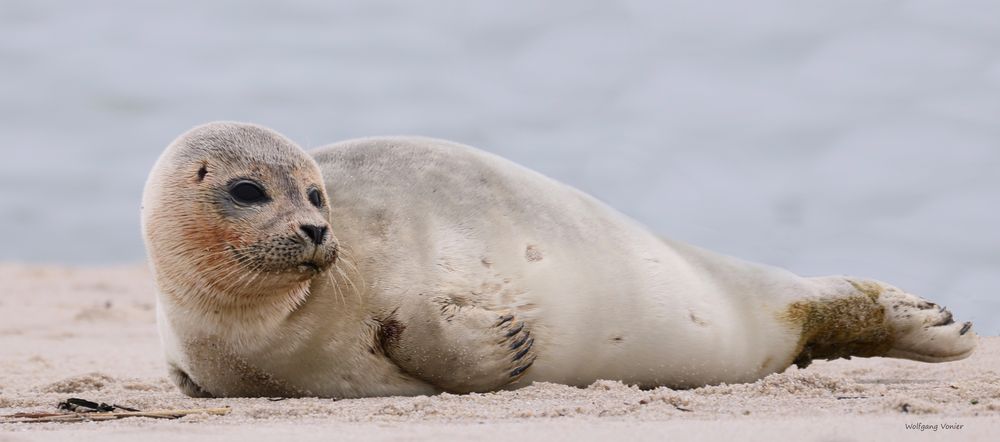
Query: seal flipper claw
point(927, 335)
point(504, 319)
point(524, 350)
point(515, 330)
point(519, 370)
point(946, 318)
point(520, 341)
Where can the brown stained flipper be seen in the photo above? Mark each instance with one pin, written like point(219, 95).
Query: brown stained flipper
point(875, 319)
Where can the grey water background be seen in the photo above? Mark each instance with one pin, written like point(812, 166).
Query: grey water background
point(850, 137)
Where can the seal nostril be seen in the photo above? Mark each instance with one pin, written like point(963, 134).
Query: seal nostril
point(315, 233)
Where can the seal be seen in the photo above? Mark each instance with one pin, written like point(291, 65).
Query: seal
point(410, 266)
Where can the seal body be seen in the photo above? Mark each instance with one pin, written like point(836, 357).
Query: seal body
point(605, 298)
point(456, 270)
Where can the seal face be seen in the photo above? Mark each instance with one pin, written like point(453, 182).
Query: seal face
point(406, 266)
point(239, 213)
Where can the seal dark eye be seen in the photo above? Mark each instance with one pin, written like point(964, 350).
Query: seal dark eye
point(315, 198)
point(247, 192)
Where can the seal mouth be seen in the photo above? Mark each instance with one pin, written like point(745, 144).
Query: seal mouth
point(310, 266)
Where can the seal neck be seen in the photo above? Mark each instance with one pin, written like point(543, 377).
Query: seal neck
point(214, 309)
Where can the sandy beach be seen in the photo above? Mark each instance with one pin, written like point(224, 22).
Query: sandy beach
point(855, 138)
point(90, 333)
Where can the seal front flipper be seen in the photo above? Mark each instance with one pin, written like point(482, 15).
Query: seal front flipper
point(185, 384)
point(458, 347)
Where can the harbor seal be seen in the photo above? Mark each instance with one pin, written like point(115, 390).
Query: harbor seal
point(411, 266)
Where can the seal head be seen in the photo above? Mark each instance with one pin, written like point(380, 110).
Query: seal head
point(234, 214)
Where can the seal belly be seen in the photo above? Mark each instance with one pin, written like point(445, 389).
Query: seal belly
point(648, 317)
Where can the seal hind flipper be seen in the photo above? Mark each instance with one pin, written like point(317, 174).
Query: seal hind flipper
point(874, 319)
point(460, 348)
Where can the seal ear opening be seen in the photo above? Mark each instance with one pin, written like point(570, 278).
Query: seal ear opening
point(202, 172)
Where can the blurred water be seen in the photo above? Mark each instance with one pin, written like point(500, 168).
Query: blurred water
point(856, 137)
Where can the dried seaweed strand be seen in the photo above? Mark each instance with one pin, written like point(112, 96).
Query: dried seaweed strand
point(81, 417)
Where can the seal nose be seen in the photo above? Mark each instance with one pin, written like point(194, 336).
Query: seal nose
point(315, 233)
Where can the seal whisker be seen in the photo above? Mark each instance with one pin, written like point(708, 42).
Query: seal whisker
point(239, 279)
point(349, 259)
point(336, 288)
point(255, 273)
point(219, 265)
point(230, 267)
point(248, 275)
point(349, 282)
